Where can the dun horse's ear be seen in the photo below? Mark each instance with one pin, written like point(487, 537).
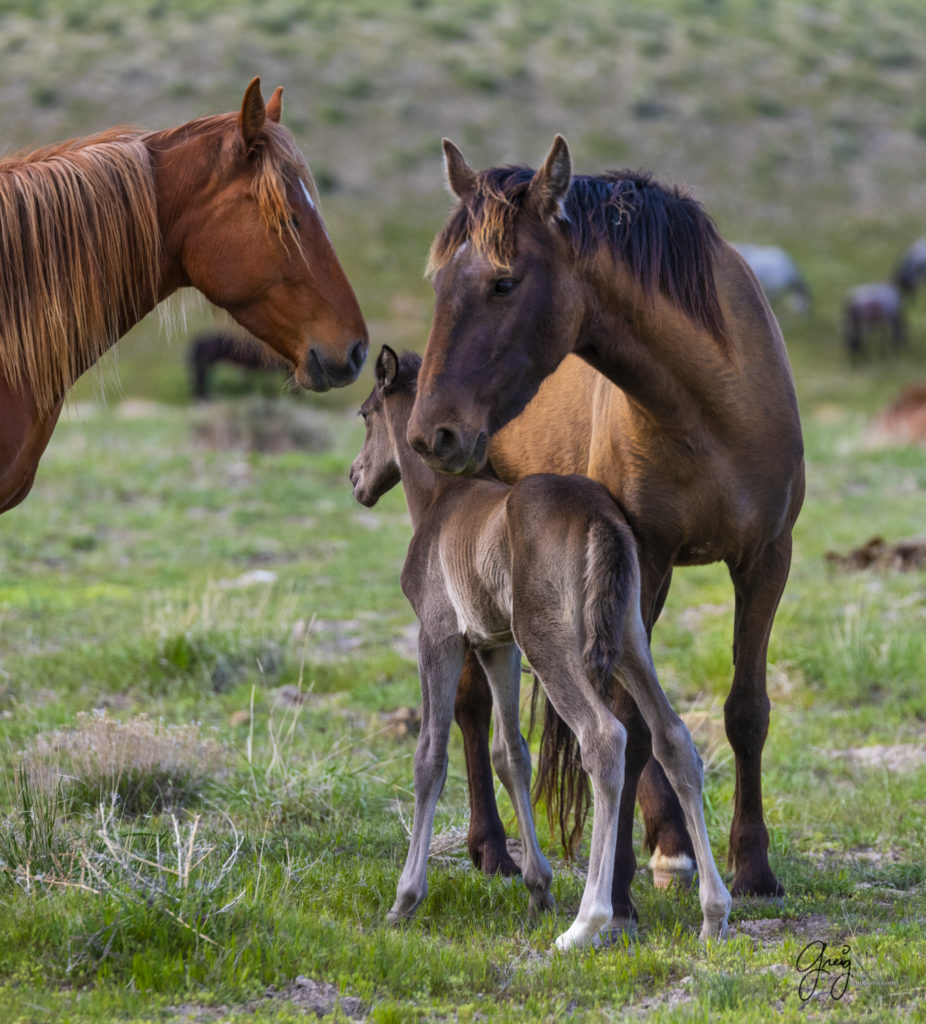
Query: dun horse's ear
point(253, 114)
point(460, 176)
point(275, 105)
point(387, 368)
point(550, 184)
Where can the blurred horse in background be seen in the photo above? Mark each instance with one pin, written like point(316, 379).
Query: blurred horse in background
point(778, 274)
point(212, 347)
point(911, 272)
point(873, 313)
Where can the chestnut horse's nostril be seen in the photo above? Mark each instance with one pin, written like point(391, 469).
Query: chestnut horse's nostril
point(357, 357)
point(446, 442)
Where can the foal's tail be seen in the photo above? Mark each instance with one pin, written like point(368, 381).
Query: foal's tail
point(610, 585)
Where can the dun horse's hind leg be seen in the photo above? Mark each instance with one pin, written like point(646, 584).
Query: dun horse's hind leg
point(439, 665)
point(758, 589)
point(473, 712)
point(512, 762)
point(673, 747)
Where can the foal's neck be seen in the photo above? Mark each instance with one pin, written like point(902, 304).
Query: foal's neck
point(422, 485)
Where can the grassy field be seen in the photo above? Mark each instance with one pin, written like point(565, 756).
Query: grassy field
point(207, 676)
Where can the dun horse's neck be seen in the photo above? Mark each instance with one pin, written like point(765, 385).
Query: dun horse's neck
point(672, 370)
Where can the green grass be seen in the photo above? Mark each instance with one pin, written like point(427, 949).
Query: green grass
point(171, 572)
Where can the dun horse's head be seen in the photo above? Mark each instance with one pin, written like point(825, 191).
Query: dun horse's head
point(240, 222)
point(506, 308)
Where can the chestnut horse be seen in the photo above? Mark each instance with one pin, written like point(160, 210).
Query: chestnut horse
point(682, 403)
point(548, 566)
point(95, 232)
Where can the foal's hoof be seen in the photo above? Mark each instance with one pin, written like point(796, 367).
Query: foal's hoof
point(397, 919)
point(619, 933)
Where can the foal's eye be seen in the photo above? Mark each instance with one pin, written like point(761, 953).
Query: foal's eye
point(504, 286)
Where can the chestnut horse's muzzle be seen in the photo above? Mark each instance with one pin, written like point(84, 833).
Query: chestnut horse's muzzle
point(320, 373)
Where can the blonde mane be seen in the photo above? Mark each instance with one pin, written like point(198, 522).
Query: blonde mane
point(79, 251)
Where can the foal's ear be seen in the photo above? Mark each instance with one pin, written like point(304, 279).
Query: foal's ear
point(550, 184)
point(460, 176)
point(387, 368)
point(275, 105)
point(253, 114)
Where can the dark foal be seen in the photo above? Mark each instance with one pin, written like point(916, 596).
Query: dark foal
point(548, 566)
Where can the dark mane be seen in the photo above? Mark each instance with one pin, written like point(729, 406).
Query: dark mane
point(660, 233)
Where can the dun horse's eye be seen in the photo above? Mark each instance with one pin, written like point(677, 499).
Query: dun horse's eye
point(504, 286)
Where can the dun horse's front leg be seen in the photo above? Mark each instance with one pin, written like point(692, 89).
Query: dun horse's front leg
point(473, 712)
point(439, 665)
point(758, 587)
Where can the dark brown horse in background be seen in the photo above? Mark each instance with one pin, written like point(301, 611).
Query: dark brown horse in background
point(95, 232)
point(681, 403)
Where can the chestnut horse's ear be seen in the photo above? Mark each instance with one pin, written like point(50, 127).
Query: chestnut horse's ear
point(387, 368)
point(275, 105)
point(460, 176)
point(253, 114)
point(550, 184)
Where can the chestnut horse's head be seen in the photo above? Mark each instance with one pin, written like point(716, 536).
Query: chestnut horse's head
point(240, 222)
point(507, 309)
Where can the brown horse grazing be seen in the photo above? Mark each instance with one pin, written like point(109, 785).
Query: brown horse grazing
point(96, 232)
point(217, 346)
point(873, 312)
point(548, 566)
point(682, 404)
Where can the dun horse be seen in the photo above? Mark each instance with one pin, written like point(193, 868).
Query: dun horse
point(682, 404)
point(96, 232)
point(548, 566)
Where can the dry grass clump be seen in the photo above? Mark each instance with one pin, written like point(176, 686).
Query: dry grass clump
point(148, 766)
point(261, 425)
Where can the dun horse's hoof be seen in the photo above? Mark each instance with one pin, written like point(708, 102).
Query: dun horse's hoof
point(541, 903)
point(669, 871)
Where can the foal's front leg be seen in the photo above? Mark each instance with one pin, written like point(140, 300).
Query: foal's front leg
point(439, 664)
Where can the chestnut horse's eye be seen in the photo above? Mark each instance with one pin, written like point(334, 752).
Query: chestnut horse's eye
point(294, 220)
point(504, 286)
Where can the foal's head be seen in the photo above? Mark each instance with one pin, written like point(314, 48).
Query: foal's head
point(385, 414)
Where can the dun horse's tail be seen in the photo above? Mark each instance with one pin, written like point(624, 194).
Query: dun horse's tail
point(610, 583)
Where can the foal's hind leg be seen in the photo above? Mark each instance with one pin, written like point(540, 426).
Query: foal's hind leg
point(602, 739)
point(758, 587)
point(439, 665)
point(473, 712)
point(673, 747)
point(512, 762)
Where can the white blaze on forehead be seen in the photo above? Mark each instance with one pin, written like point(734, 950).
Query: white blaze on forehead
point(307, 194)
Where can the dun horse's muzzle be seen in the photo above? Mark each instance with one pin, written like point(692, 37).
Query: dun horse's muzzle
point(448, 452)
